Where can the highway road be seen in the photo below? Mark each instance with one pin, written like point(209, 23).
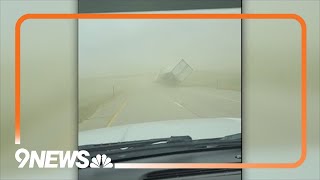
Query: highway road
point(147, 102)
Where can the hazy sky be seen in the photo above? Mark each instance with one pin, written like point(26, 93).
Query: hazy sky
point(119, 47)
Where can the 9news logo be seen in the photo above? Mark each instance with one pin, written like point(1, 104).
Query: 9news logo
point(61, 159)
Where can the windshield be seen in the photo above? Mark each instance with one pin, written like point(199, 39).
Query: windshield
point(149, 79)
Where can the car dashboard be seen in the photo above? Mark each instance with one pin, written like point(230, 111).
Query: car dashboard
point(218, 156)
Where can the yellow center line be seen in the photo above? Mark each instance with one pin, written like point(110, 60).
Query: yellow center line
point(115, 115)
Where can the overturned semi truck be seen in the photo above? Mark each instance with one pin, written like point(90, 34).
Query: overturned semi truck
point(175, 75)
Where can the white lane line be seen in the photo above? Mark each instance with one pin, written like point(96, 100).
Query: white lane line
point(178, 104)
point(185, 108)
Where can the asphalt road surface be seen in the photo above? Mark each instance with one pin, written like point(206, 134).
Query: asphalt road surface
point(146, 102)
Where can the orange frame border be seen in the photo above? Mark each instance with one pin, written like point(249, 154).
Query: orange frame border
point(179, 16)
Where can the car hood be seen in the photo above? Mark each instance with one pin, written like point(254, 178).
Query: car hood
point(196, 128)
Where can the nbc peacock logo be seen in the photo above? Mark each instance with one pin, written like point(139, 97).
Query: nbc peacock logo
point(101, 161)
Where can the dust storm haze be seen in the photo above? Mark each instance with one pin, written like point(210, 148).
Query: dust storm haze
point(120, 62)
